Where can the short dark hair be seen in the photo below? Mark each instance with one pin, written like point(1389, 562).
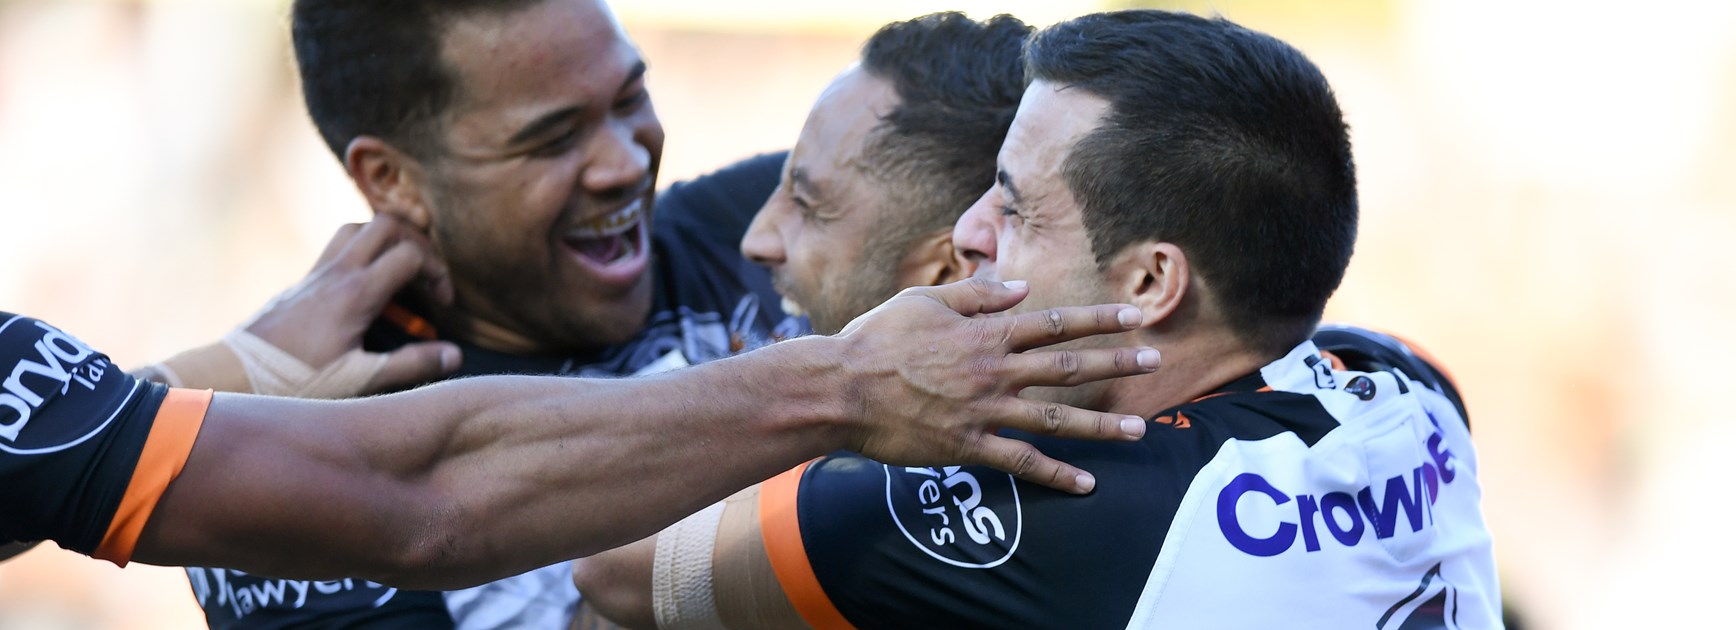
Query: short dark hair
point(1222, 140)
point(373, 67)
point(958, 83)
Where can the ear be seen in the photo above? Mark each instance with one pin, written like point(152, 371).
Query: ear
point(932, 260)
point(1156, 278)
point(388, 178)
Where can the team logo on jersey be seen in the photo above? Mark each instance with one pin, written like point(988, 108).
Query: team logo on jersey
point(956, 516)
point(1361, 387)
point(244, 595)
point(1273, 526)
point(1322, 372)
point(51, 366)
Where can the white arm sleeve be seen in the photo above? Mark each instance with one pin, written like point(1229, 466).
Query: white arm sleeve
point(681, 592)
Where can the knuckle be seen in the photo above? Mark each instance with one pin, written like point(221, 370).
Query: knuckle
point(1052, 417)
point(1068, 364)
point(1024, 461)
point(1054, 323)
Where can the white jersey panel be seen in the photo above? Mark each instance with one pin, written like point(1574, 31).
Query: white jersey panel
point(1377, 525)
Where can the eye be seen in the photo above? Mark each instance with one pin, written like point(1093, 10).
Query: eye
point(1011, 214)
point(557, 145)
point(633, 101)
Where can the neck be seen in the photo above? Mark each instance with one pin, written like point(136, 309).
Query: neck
point(1193, 366)
point(457, 324)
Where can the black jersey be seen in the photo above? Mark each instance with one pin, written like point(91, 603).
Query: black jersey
point(1307, 494)
point(86, 450)
point(709, 303)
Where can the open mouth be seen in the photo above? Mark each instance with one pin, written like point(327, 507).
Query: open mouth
point(612, 239)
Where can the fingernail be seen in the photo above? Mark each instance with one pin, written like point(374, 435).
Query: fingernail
point(449, 359)
point(1016, 285)
point(1085, 482)
point(1150, 358)
point(1129, 317)
point(1133, 427)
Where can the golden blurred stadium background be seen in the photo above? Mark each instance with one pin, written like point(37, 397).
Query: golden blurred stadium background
point(1548, 194)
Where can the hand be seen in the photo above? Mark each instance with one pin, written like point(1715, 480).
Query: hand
point(934, 384)
point(321, 319)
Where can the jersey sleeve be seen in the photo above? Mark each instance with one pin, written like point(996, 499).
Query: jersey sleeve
point(1367, 350)
point(856, 543)
point(86, 450)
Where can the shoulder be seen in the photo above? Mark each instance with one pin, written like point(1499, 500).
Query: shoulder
point(1365, 350)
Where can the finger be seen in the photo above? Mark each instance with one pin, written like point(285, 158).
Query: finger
point(975, 296)
point(435, 276)
point(1066, 323)
point(1061, 368)
point(391, 271)
point(371, 240)
point(415, 364)
point(1024, 461)
point(1064, 421)
point(340, 240)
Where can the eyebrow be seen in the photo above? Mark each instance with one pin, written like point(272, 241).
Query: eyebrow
point(553, 120)
point(801, 182)
point(1006, 182)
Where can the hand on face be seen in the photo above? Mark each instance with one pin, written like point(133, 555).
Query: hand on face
point(935, 383)
point(321, 319)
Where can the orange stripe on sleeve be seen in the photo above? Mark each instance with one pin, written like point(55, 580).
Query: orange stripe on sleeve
point(166, 449)
point(782, 534)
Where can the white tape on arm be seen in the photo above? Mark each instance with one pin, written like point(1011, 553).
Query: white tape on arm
point(274, 372)
point(681, 593)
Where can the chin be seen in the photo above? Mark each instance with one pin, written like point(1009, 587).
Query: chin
point(610, 321)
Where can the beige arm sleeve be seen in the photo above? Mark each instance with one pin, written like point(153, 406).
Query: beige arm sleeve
point(681, 591)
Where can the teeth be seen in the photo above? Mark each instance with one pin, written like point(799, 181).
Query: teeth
point(629, 249)
point(612, 224)
point(793, 309)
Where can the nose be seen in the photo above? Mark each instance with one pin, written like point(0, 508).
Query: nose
point(974, 234)
point(618, 161)
point(763, 244)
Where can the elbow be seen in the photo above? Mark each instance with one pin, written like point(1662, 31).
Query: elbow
point(608, 590)
point(429, 546)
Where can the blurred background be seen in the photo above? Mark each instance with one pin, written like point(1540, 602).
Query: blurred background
point(1548, 194)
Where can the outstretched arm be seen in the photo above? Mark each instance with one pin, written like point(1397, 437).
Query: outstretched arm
point(468, 481)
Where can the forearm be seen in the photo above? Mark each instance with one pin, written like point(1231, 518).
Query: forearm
point(572, 468)
point(212, 366)
point(476, 479)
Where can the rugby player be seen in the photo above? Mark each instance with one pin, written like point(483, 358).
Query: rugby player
point(1290, 486)
point(519, 135)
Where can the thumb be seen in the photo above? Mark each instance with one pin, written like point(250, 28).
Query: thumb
point(978, 295)
point(415, 364)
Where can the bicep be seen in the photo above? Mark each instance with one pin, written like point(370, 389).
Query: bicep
point(746, 587)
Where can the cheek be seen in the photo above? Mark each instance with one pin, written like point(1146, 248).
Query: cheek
point(649, 133)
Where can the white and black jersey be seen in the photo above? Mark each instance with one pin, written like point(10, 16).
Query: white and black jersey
point(1334, 488)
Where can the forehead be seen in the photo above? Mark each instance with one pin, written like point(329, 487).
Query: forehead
point(1052, 118)
point(842, 120)
point(553, 53)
